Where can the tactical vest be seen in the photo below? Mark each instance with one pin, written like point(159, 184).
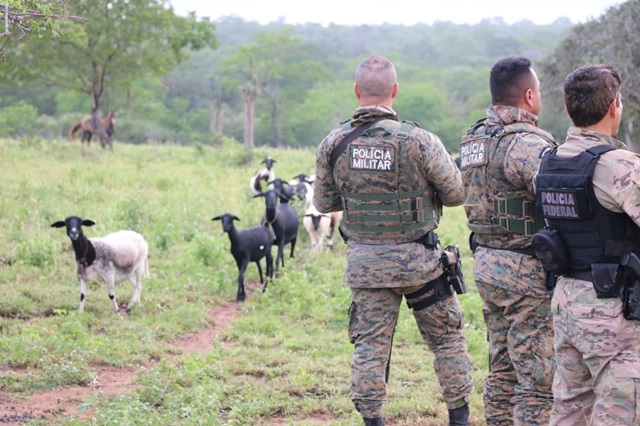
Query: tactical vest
point(500, 214)
point(388, 200)
point(565, 197)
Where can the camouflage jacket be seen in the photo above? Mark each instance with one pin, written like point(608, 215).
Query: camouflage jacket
point(388, 265)
point(517, 166)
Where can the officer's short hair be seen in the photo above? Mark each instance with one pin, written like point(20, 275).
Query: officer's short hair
point(509, 78)
point(375, 77)
point(588, 92)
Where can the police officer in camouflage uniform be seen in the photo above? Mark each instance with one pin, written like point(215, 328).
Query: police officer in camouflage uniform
point(385, 180)
point(596, 211)
point(499, 158)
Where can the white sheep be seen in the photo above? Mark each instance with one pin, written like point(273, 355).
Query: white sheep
point(267, 175)
point(317, 225)
point(116, 257)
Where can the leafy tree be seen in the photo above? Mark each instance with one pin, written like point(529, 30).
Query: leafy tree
point(614, 38)
point(123, 41)
point(278, 68)
point(40, 17)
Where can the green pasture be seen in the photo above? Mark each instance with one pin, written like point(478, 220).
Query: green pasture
point(285, 359)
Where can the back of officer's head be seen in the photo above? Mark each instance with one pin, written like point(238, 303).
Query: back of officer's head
point(509, 79)
point(588, 92)
point(375, 77)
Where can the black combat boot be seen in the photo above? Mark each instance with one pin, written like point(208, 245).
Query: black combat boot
point(459, 416)
point(373, 422)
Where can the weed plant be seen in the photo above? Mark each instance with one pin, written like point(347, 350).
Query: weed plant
point(284, 360)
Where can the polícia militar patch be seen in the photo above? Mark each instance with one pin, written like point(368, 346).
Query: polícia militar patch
point(473, 153)
point(377, 158)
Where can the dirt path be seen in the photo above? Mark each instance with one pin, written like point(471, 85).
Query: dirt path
point(109, 380)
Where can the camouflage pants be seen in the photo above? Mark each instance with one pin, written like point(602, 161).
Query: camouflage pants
point(373, 316)
point(597, 381)
point(520, 332)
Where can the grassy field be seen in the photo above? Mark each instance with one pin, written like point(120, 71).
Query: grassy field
point(286, 357)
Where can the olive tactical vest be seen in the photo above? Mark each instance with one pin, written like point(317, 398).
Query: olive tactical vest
point(590, 232)
point(500, 214)
point(386, 197)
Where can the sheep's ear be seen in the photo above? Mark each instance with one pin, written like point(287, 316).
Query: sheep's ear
point(87, 222)
point(217, 218)
point(259, 195)
point(236, 218)
point(58, 224)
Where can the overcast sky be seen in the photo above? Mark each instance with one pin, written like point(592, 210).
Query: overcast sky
point(407, 12)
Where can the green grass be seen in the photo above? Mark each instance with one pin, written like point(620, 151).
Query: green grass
point(285, 359)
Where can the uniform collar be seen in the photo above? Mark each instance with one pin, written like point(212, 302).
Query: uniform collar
point(505, 114)
point(580, 134)
point(368, 113)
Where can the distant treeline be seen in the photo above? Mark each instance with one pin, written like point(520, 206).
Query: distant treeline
point(300, 78)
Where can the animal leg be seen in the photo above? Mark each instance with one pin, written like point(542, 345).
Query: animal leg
point(260, 271)
point(136, 283)
point(279, 258)
point(111, 286)
point(269, 268)
point(330, 238)
point(314, 242)
point(242, 267)
point(83, 292)
point(293, 245)
point(320, 242)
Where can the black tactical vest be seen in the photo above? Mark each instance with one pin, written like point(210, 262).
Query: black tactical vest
point(565, 197)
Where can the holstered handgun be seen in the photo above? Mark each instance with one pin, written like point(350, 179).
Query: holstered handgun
point(452, 263)
point(628, 275)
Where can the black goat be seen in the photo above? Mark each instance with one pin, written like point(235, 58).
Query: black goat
point(248, 245)
point(283, 190)
point(283, 220)
point(298, 190)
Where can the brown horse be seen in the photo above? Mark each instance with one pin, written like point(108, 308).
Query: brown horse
point(86, 125)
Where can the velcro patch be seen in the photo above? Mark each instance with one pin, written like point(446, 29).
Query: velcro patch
point(561, 203)
point(473, 153)
point(378, 158)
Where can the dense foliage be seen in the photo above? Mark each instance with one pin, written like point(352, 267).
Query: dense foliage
point(288, 85)
point(303, 76)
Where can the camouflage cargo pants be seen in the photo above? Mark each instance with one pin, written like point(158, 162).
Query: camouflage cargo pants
point(520, 331)
point(373, 315)
point(597, 381)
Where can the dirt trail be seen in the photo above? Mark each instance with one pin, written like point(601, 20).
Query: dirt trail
point(109, 380)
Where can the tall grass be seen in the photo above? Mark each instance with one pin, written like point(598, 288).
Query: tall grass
point(285, 360)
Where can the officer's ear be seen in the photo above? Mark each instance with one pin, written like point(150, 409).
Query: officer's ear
point(394, 93)
point(356, 90)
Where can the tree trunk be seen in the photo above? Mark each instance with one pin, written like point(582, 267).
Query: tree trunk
point(216, 123)
point(248, 121)
point(277, 134)
point(249, 96)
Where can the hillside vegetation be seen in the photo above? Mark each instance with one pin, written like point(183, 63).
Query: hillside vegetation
point(285, 359)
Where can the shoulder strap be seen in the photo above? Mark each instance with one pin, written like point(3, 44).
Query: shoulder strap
point(350, 137)
point(601, 149)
